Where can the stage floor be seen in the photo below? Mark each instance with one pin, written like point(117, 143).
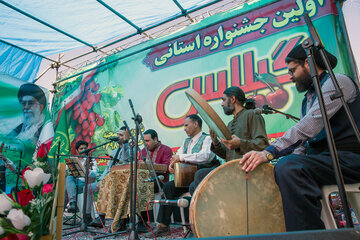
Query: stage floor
point(176, 233)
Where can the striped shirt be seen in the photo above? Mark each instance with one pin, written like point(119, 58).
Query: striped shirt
point(311, 122)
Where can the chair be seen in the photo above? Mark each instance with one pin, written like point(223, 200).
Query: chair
point(184, 224)
point(156, 207)
point(353, 194)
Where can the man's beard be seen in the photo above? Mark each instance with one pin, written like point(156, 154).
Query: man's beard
point(31, 116)
point(228, 108)
point(303, 82)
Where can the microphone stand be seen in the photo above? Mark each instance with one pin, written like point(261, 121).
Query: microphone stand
point(142, 157)
point(268, 108)
point(133, 174)
point(83, 226)
point(309, 44)
point(148, 154)
point(18, 175)
point(90, 149)
point(133, 180)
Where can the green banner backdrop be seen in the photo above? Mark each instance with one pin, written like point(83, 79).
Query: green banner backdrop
point(244, 47)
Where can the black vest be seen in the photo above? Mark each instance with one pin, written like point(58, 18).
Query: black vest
point(344, 135)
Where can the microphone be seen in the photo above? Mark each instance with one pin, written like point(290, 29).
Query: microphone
point(263, 111)
point(115, 139)
point(182, 202)
point(152, 179)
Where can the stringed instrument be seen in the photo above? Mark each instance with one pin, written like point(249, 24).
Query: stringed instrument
point(160, 168)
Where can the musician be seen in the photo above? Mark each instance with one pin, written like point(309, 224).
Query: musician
point(71, 182)
point(5, 163)
point(195, 149)
point(120, 155)
point(159, 153)
point(247, 127)
point(308, 164)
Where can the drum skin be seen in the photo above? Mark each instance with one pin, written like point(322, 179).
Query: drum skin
point(226, 203)
point(208, 114)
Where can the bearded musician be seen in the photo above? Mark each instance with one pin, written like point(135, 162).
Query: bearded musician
point(247, 127)
point(307, 164)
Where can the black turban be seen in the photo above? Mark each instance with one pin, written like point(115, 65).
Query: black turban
point(237, 92)
point(299, 53)
point(29, 89)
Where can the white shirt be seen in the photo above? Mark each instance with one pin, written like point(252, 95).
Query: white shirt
point(204, 156)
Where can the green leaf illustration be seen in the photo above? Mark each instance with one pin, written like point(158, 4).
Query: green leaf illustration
point(267, 78)
point(117, 119)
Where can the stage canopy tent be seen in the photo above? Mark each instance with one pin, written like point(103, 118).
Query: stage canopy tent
point(35, 30)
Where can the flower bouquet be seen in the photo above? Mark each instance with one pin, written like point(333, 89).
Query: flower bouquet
point(26, 214)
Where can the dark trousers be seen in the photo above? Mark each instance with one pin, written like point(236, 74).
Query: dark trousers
point(300, 178)
point(171, 192)
point(199, 176)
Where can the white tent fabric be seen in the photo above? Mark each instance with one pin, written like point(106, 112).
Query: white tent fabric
point(87, 20)
point(32, 29)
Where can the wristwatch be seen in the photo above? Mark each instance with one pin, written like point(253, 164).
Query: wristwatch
point(269, 156)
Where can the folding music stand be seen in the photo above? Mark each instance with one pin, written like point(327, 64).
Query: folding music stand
point(77, 170)
point(75, 167)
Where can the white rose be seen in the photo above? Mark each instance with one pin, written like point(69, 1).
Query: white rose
point(5, 203)
point(18, 218)
point(1, 231)
point(36, 177)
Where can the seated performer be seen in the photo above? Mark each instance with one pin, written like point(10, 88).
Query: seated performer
point(71, 182)
point(5, 163)
point(195, 149)
point(308, 164)
point(247, 127)
point(159, 153)
point(120, 155)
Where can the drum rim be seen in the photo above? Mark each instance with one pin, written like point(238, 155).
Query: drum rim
point(192, 210)
point(190, 92)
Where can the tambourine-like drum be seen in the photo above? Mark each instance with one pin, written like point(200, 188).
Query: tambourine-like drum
point(229, 202)
point(208, 114)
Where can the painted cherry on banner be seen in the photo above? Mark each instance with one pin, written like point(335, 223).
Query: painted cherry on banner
point(277, 98)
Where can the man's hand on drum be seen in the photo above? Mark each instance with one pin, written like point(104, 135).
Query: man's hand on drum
point(173, 160)
point(127, 135)
point(232, 144)
point(214, 137)
point(253, 159)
